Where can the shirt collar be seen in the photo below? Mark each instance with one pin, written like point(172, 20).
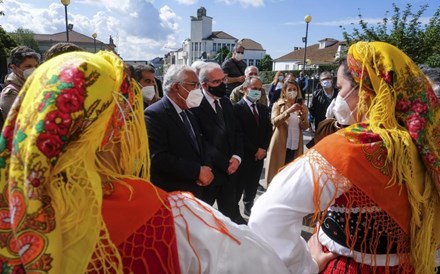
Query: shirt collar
point(176, 107)
point(249, 103)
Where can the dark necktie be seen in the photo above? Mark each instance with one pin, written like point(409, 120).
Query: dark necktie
point(189, 129)
point(254, 111)
point(219, 111)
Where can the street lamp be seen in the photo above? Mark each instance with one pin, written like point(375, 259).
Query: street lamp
point(94, 39)
point(307, 19)
point(66, 3)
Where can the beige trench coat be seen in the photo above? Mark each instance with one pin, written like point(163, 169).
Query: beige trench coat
point(276, 154)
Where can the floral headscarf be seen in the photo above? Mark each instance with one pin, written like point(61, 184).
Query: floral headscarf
point(403, 111)
point(76, 127)
point(402, 97)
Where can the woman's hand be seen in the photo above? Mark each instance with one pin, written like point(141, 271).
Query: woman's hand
point(294, 107)
point(321, 258)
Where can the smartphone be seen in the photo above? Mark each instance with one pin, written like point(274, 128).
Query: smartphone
point(299, 101)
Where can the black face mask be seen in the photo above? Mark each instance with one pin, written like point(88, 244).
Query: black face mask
point(218, 91)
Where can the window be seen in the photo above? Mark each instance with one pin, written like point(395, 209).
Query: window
point(251, 62)
point(214, 46)
point(257, 62)
point(196, 48)
point(287, 67)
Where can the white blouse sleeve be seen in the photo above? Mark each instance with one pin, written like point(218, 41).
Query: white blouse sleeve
point(278, 214)
point(203, 249)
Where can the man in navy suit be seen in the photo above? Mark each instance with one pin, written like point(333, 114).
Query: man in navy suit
point(223, 140)
point(253, 118)
point(178, 156)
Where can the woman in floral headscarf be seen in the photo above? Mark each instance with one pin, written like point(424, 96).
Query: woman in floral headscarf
point(376, 181)
point(70, 198)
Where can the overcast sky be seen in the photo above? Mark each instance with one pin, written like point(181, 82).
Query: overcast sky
point(144, 29)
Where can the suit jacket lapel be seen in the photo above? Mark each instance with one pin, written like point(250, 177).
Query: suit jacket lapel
point(178, 121)
point(207, 108)
point(196, 129)
point(249, 112)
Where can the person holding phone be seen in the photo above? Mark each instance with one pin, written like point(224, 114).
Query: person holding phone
point(289, 118)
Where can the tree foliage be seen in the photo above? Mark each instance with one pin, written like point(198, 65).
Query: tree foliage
point(6, 44)
point(25, 37)
point(222, 54)
point(266, 63)
point(405, 31)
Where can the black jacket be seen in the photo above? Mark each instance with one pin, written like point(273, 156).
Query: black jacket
point(320, 102)
point(175, 161)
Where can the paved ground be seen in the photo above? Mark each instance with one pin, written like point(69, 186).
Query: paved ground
point(306, 229)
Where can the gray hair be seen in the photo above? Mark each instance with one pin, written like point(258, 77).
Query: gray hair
point(21, 53)
point(433, 75)
point(206, 70)
point(175, 74)
point(248, 81)
point(248, 70)
point(197, 65)
point(237, 46)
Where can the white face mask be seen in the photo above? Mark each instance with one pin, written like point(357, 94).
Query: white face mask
point(291, 94)
point(342, 111)
point(27, 72)
point(326, 83)
point(194, 98)
point(148, 93)
point(239, 56)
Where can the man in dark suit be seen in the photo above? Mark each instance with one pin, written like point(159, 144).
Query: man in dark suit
point(178, 157)
point(253, 118)
point(223, 140)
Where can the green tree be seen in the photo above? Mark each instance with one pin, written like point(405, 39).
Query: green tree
point(6, 44)
point(222, 54)
point(266, 63)
point(405, 31)
point(2, 13)
point(25, 37)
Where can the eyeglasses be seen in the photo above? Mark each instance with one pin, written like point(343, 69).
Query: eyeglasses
point(218, 82)
point(240, 52)
point(193, 84)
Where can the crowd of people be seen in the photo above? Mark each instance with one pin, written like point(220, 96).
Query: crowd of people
point(106, 169)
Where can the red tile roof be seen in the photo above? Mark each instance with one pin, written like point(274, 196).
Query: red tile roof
point(74, 37)
point(314, 53)
point(250, 44)
point(221, 35)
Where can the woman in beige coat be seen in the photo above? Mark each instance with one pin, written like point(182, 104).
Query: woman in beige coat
point(289, 118)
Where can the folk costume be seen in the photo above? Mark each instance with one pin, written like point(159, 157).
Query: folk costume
point(375, 184)
point(71, 200)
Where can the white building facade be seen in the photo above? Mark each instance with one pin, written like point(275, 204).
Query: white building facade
point(204, 44)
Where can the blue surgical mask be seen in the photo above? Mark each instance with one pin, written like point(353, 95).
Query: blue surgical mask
point(254, 95)
point(326, 83)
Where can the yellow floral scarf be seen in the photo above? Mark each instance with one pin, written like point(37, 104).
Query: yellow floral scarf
point(403, 111)
point(55, 166)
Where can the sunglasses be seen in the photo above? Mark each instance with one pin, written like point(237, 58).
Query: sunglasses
point(240, 52)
